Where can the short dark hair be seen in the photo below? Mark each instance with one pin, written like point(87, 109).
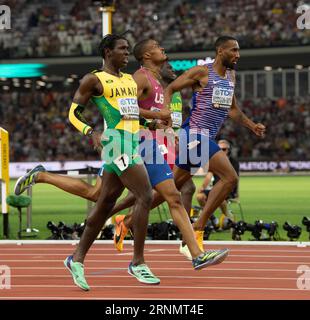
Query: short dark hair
point(139, 49)
point(221, 40)
point(109, 42)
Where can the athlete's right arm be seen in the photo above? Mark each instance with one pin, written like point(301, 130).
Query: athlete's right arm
point(89, 86)
point(188, 79)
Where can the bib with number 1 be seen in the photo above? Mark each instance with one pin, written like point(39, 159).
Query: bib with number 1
point(222, 97)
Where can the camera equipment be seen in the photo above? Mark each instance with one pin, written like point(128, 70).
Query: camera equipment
point(238, 229)
point(106, 233)
point(256, 229)
point(306, 222)
point(209, 228)
point(271, 229)
point(56, 233)
point(65, 232)
point(293, 231)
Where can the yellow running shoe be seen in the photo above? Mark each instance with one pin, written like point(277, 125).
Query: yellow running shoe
point(199, 239)
point(120, 232)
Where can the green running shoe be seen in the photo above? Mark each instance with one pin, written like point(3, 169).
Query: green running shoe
point(27, 180)
point(143, 274)
point(209, 258)
point(77, 271)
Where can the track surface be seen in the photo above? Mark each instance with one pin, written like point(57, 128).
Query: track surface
point(249, 272)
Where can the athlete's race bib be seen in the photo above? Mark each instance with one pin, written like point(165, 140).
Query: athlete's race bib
point(176, 119)
point(128, 108)
point(155, 109)
point(122, 162)
point(222, 97)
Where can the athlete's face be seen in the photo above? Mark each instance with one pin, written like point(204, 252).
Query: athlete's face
point(167, 72)
point(155, 51)
point(229, 53)
point(120, 54)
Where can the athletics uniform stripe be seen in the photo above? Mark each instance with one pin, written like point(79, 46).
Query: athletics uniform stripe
point(206, 115)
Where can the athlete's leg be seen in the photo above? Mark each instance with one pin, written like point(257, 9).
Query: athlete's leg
point(169, 193)
point(187, 193)
point(220, 165)
point(111, 189)
point(201, 198)
point(136, 180)
point(72, 185)
point(224, 208)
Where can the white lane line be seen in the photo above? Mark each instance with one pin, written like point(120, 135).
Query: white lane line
point(160, 287)
point(161, 261)
point(106, 268)
point(161, 276)
point(153, 255)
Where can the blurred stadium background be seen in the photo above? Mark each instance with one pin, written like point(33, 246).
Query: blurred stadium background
point(52, 44)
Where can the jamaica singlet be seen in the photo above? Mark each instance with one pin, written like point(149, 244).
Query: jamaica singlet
point(118, 105)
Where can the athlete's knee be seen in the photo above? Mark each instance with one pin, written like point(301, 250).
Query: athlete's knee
point(231, 179)
point(145, 198)
point(188, 188)
point(174, 199)
point(93, 194)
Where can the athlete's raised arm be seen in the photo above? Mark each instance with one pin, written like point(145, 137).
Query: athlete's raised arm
point(193, 77)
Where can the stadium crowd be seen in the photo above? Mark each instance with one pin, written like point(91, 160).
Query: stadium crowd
point(40, 130)
point(73, 28)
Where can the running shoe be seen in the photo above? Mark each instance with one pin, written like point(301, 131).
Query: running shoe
point(143, 274)
point(210, 258)
point(77, 271)
point(199, 238)
point(27, 180)
point(184, 248)
point(185, 251)
point(120, 232)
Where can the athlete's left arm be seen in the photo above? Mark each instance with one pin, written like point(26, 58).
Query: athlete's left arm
point(238, 116)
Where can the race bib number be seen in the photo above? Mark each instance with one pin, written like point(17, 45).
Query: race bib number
point(176, 119)
point(122, 162)
point(222, 97)
point(155, 109)
point(128, 108)
point(163, 149)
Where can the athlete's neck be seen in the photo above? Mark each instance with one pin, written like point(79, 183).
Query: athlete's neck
point(110, 68)
point(219, 68)
point(153, 68)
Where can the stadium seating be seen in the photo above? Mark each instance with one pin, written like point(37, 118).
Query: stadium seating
point(74, 27)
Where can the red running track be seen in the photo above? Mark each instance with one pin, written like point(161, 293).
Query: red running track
point(249, 273)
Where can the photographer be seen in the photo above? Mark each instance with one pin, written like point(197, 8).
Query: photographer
point(210, 180)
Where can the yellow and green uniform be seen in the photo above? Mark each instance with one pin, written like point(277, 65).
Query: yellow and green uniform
point(176, 108)
point(119, 107)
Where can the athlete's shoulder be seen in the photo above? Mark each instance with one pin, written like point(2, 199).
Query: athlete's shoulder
point(197, 71)
point(141, 79)
point(127, 76)
point(89, 79)
point(140, 73)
